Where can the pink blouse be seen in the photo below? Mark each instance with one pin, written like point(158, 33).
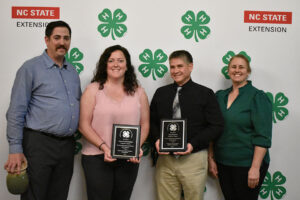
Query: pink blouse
point(107, 112)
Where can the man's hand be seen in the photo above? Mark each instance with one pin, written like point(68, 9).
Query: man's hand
point(157, 143)
point(188, 150)
point(14, 162)
point(212, 167)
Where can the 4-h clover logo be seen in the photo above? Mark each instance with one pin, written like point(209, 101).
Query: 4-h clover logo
point(112, 23)
point(273, 187)
point(74, 57)
point(279, 111)
point(126, 134)
point(153, 64)
point(195, 26)
point(226, 58)
point(78, 145)
point(173, 127)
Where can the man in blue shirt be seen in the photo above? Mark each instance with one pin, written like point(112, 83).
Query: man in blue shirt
point(42, 117)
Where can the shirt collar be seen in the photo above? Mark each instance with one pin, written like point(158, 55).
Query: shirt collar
point(175, 85)
point(50, 63)
point(244, 88)
point(249, 84)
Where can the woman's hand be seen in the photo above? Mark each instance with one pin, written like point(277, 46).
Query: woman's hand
point(253, 177)
point(253, 173)
point(137, 160)
point(107, 154)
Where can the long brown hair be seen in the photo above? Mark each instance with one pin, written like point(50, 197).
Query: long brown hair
point(100, 75)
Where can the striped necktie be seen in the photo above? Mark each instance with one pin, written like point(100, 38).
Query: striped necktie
point(176, 105)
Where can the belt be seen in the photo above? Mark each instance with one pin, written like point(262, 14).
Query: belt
point(51, 135)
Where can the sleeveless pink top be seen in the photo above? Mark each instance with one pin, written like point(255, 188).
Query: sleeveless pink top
point(107, 112)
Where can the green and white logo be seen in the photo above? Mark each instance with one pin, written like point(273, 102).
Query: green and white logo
point(195, 26)
point(112, 23)
point(226, 58)
point(74, 57)
point(78, 145)
point(279, 111)
point(273, 186)
point(153, 63)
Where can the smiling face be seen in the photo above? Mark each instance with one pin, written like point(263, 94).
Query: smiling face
point(58, 43)
point(238, 71)
point(180, 70)
point(116, 65)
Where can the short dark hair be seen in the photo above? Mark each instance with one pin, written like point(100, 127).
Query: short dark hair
point(52, 25)
point(183, 54)
point(100, 75)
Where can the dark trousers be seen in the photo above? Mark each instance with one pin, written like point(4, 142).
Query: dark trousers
point(50, 165)
point(108, 181)
point(234, 182)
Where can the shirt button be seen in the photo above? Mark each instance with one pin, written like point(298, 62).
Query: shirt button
point(70, 129)
point(72, 104)
point(73, 116)
point(65, 81)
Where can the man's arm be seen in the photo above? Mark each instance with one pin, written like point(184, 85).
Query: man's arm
point(20, 97)
point(155, 123)
point(214, 119)
point(14, 162)
point(154, 120)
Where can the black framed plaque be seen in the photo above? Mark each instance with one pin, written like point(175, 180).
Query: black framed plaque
point(125, 142)
point(173, 135)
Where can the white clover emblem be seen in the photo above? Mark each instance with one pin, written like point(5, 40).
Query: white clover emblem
point(173, 127)
point(126, 134)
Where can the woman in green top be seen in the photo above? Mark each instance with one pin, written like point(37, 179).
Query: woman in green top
point(240, 157)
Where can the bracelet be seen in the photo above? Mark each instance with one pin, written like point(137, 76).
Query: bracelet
point(101, 145)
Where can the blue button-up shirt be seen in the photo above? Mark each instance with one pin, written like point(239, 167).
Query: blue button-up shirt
point(44, 98)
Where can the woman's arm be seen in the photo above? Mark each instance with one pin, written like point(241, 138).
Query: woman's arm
point(261, 117)
point(87, 105)
point(254, 174)
point(144, 122)
point(145, 117)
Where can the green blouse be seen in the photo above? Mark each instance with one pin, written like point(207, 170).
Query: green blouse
point(248, 123)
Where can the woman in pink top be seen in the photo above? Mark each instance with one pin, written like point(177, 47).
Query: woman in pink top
point(113, 97)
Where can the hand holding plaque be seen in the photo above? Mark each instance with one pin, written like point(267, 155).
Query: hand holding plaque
point(125, 143)
point(173, 135)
